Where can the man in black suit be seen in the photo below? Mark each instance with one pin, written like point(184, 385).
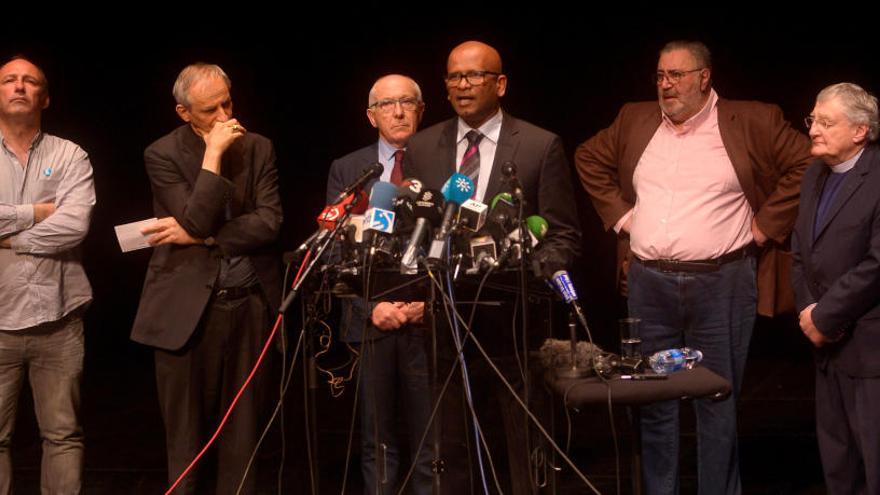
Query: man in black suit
point(477, 143)
point(214, 278)
point(836, 277)
point(393, 362)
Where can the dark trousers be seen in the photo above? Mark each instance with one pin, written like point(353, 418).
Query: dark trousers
point(503, 423)
point(848, 431)
point(395, 384)
point(715, 313)
point(196, 386)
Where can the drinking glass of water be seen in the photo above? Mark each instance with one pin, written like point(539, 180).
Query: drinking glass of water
point(630, 340)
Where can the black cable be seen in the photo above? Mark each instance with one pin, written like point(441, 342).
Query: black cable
point(286, 382)
point(446, 383)
point(523, 405)
point(605, 381)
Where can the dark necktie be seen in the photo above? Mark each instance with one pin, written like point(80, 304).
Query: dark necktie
point(470, 162)
point(397, 171)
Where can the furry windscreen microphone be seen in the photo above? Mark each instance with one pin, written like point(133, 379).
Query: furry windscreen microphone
point(556, 353)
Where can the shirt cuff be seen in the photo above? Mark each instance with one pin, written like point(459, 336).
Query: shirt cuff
point(24, 217)
point(625, 218)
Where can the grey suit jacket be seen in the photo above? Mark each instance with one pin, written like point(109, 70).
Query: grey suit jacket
point(838, 264)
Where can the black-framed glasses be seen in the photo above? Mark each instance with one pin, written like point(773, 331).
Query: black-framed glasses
point(823, 123)
point(407, 103)
point(673, 76)
point(473, 77)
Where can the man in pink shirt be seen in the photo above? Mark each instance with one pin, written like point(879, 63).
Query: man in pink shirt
point(702, 192)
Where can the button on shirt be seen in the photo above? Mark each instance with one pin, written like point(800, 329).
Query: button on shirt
point(689, 202)
point(41, 277)
point(491, 131)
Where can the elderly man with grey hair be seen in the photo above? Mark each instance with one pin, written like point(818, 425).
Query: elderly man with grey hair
point(390, 335)
point(836, 277)
point(213, 281)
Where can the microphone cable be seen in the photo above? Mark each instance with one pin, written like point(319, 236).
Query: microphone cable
point(456, 336)
point(519, 401)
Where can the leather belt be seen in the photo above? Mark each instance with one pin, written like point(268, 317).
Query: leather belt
point(236, 292)
point(699, 266)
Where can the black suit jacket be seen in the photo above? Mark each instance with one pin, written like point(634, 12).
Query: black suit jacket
point(344, 171)
point(542, 169)
point(181, 279)
point(840, 269)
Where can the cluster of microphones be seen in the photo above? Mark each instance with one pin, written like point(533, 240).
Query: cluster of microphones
point(410, 226)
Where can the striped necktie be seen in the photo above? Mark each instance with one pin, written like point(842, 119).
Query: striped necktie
point(470, 162)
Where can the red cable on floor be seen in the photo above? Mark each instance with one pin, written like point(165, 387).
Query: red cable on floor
point(241, 390)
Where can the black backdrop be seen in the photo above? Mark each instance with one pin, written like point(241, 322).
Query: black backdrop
point(302, 80)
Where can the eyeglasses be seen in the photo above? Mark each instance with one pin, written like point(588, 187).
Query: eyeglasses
point(407, 103)
point(823, 123)
point(473, 77)
point(674, 76)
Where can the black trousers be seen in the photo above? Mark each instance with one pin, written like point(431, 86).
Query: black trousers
point(196, 386)
point(848, 430)
point(505, 426)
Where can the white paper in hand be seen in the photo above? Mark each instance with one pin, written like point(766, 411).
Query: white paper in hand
point(130, 237)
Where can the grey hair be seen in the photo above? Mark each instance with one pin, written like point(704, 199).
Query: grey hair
point(192, 73)
point(371, 99)
point(696, 48)
point(859, 106)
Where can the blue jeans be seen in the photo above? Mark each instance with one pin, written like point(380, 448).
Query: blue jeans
point(715, 313)
point(52, 356)
point(394, 383)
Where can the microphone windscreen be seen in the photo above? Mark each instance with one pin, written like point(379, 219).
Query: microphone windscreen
point(429, 205)
point(382, 195)
point(458, 188)
point(410, 188)
point(537, 226)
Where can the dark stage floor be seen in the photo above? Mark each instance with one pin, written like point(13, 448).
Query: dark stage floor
point(125, 437)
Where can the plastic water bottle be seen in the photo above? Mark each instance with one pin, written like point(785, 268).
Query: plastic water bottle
point(670, 360)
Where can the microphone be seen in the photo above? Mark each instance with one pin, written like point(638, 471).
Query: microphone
point(369, 173)
point(563, 285)
point(508, 170)
point(379, 218)
point(428, 209)
point(458, 189)
point(472, 215)
point(356, 204)
point(410, 188)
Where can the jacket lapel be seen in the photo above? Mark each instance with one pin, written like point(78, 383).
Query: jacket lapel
point(508, 142)
point(850, 185)
point(636, 143)
point(734, 140)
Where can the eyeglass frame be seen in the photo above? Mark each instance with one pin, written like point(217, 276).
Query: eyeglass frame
point(673, 76)
point(825, 124)
point(388, 105)
point(468, 75)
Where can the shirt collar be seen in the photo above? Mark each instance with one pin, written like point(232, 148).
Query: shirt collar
point(386, 151)
point(842, 168)
point(34, 142)
point(491, 129)
point(695, 121)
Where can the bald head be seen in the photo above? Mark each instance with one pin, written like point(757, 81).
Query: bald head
point(393, 83)
point(395, 108)
point(474, 82)
point(479, 52)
